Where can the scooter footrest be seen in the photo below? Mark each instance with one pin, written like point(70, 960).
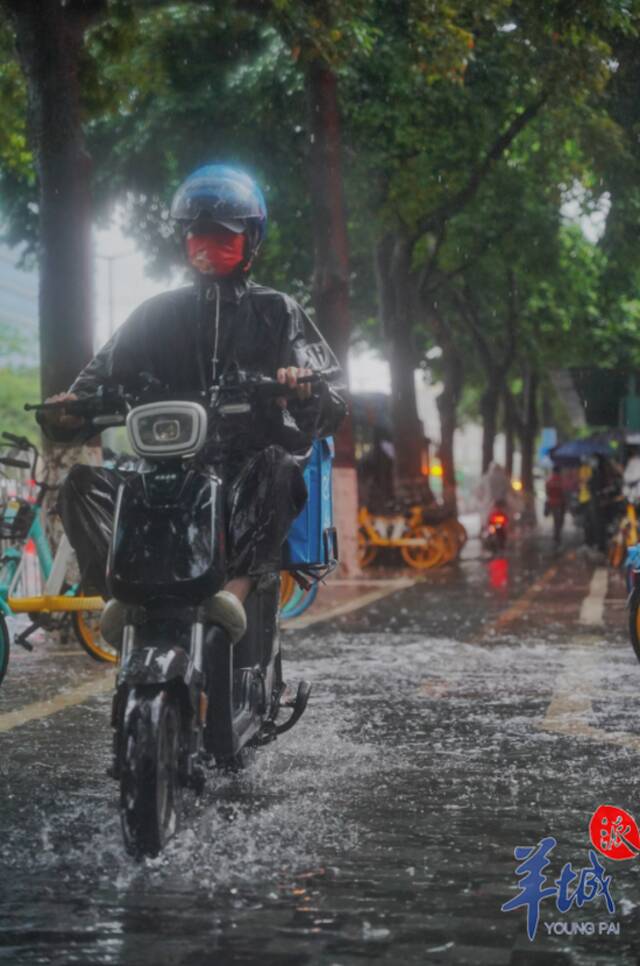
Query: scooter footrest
point(298, 704)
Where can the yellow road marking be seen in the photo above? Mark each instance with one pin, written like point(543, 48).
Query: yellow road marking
point(523, 603)
point(66, 699)
point(390, 587)
point(105, 683)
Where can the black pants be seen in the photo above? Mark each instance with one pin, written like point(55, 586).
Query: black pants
point(557, 513)
point(264, 494)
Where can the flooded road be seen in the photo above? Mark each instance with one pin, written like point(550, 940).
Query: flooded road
point(480, 709)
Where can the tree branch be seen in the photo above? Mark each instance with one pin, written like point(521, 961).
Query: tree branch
point(455, 204)
point(469, 315)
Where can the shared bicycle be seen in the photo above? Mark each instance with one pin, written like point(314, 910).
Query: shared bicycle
point(424, 540)
point(23, 535)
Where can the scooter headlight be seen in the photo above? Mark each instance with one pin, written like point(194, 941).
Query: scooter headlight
point(167, 428)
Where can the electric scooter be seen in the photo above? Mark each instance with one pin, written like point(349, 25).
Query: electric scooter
point(186, 697)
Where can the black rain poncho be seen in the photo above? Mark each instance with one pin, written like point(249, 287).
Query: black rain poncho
point(187, 340)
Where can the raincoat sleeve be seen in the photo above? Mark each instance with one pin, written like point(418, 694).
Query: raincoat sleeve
point(304, 346)
point(118, 363)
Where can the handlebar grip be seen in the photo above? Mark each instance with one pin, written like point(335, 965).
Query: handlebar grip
point(74, 407)
point(282, 389)
point(11, 461)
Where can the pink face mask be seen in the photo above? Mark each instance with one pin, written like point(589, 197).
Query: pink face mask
point(217, 254)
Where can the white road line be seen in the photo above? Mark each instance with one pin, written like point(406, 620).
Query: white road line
point(571, 710)
point(592, 610)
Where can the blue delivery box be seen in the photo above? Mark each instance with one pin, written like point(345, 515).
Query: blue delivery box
point(312, 543)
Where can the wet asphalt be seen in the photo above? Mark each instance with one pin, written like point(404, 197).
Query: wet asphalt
point(450, 722)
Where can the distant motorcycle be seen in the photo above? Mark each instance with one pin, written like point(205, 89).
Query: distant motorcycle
point(186, 697)
point(494, 537)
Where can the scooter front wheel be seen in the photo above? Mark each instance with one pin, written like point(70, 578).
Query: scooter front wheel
point(5, 647)
point(150, 787)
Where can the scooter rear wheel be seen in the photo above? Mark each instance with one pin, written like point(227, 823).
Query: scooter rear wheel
point(150, 787)
point(5, 647)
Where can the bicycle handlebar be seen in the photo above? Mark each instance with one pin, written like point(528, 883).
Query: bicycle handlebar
point(20, 441)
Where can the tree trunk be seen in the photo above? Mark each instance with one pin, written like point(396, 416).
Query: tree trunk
point(394, 287)
point(509, 432)
point(50, 36)
point(331, 279)
point(528, 439)
point(447, 408)
point(489, 412)
point(50, 39)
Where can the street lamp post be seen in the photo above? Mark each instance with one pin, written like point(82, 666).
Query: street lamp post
point(109, 434)
point(110, 259)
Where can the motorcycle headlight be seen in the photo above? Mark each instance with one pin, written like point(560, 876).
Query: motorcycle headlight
point(167, 428)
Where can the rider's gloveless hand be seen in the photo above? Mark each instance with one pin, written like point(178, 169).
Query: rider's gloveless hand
point(289, 377)
point(58, 417)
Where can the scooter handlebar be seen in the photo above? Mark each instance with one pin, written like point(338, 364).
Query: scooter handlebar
point(91, 406)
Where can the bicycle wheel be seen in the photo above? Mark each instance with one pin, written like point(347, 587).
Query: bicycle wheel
point(5, 646)
point(449, 542)
point(616, 552)
point(455, 533)
point(86, 624)
point(303, 604)
point(634, 620)
point(461, 533)
point(425, 555)
point(367, 552)
point(287, 588)
point(287, 610)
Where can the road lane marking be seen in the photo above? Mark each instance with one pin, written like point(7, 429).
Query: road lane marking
point(592, 610)
point(390, 587)
point(523, 603)
point(61, 701)
point(106, 682)
point(571, 704)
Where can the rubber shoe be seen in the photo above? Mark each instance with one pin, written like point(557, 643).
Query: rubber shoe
point(112, 622)
point(226, 610)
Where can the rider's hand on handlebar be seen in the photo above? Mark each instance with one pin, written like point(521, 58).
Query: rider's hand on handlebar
point(58, 417)
point(289, 377)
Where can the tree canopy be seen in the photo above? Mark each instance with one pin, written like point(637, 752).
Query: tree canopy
point(470, 132)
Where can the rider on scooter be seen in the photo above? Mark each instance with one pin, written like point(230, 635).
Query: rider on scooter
point(186, 340)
